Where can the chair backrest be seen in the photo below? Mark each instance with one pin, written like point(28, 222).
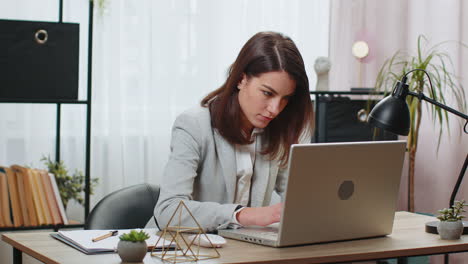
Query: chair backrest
point(127, 208)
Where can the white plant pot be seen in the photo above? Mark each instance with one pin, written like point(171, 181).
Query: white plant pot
point(131, 251)
point(450, 230)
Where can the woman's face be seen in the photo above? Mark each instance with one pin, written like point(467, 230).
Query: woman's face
point(263, 98)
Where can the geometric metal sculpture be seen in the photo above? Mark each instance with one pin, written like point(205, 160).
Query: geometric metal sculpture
point(186, 249)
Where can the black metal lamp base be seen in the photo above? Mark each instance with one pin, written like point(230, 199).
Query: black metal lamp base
point(431, 227)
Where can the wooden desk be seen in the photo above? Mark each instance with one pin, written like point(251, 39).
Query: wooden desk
point(408, 239)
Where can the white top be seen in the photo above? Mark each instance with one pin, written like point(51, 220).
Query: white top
point(245, 160)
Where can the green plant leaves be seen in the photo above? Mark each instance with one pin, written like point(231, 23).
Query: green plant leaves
point(134, 236)
point(453, 213)
point(438, 65)
point(71, 186)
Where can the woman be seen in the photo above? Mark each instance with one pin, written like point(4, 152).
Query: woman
point(229, 155)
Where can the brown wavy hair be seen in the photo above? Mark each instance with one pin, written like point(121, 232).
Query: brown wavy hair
point(264, 52)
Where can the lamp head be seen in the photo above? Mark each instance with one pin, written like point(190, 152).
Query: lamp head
point(392, 113)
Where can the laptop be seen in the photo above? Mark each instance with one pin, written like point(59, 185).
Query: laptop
point(335, 192)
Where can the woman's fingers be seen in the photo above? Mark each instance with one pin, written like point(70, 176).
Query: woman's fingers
point(260, 216)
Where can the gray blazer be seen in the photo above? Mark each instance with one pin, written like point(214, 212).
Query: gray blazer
point(201, 171)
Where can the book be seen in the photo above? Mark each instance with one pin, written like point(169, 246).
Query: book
point(41, 220)
point(5, 215)
point(50, 197)
point(58, 198)
point(14, 197)
point(82, 240)
point(2, 198)
point(22, 195)
point(41, 196)
point(29, 194)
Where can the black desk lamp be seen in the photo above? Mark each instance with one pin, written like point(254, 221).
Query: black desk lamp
point(392, 114)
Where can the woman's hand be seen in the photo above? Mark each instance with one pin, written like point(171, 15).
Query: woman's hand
point(260, 216)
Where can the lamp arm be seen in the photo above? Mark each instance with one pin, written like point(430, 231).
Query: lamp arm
point(421, 96)
point(402, 89)
point(457, 185)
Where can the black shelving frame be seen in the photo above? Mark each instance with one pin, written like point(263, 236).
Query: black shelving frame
point(319, 94)
point(59, 104)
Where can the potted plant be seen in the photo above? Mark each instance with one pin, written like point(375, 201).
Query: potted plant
point(71, 186)
point(132, 246)
point(438, 65)
point(450, 226)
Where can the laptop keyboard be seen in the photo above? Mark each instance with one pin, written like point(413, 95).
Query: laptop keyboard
point(265, 234)
point(269, 235)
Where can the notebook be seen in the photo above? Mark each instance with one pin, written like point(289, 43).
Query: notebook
point(335, 191)
point(82, 240)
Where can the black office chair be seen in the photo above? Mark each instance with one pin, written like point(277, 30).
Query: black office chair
point(126, 208)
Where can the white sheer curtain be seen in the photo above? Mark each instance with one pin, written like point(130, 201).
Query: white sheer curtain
point(154, 59)
point(151, 60)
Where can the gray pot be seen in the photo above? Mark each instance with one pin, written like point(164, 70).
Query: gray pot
point(131, 251)
point(450, 230)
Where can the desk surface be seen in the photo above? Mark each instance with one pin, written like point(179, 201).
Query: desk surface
point(408, 239)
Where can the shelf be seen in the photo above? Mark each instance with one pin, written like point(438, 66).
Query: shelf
point(50, 101)
point(346, 92)
point(54, 227)
point(58, 103)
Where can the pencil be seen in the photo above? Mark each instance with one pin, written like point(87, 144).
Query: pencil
point(111, 233)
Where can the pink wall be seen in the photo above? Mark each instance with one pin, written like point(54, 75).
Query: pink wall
point(394, 25)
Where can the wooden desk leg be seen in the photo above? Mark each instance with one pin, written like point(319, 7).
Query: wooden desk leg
point(17, 256)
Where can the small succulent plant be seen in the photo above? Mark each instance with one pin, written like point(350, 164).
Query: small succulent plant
point(134, 236)
point(453, 213)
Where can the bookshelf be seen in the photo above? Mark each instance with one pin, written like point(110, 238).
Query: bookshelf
point(59, 103)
